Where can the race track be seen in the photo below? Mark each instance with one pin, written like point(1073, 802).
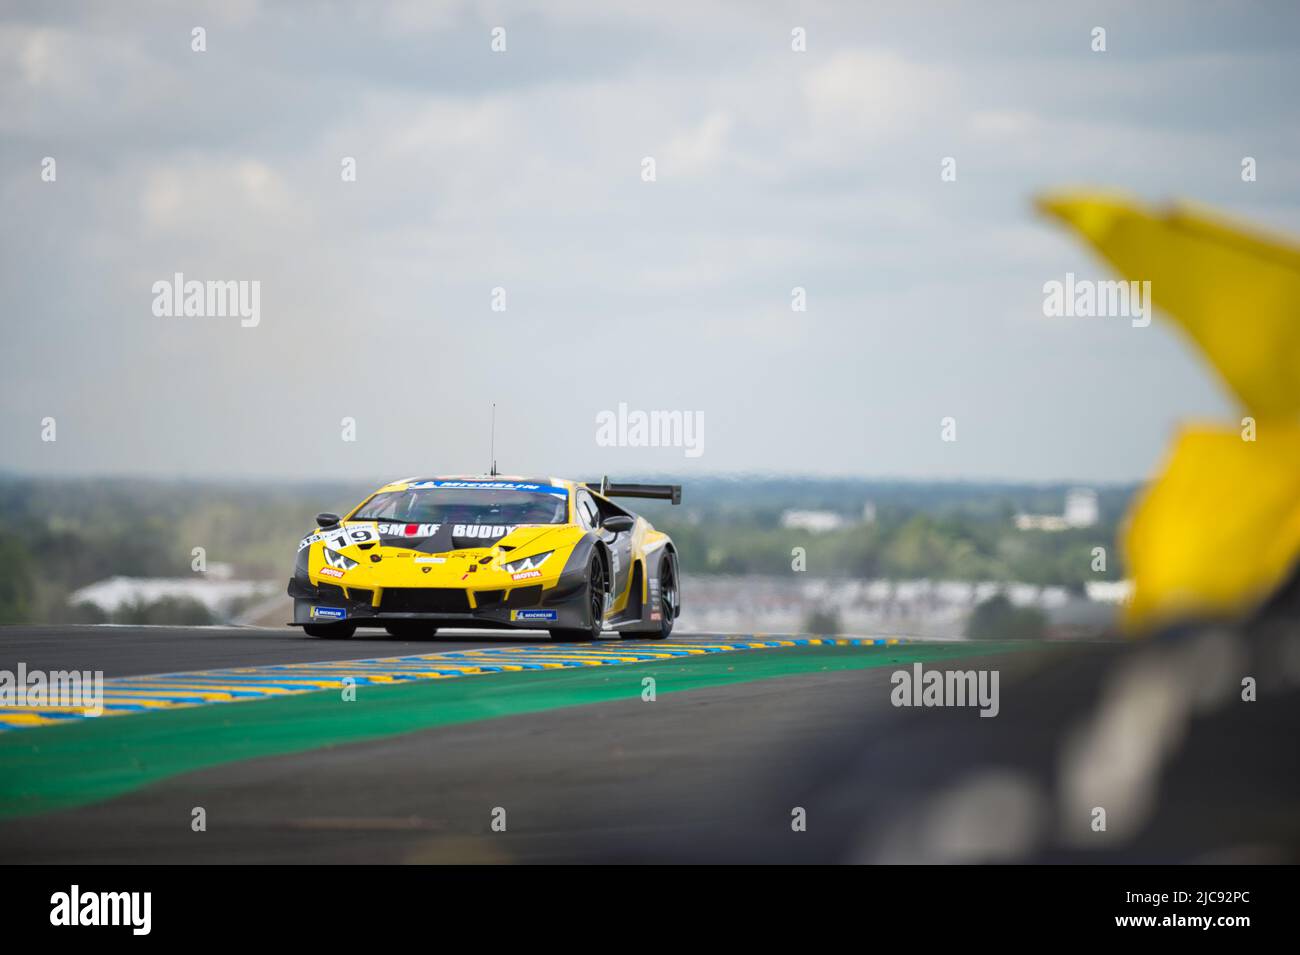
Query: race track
point(549, 760)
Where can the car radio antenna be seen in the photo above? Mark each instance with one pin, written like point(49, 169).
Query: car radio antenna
point(492, 442)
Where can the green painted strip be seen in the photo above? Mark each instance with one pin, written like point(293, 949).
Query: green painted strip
point(60, 767)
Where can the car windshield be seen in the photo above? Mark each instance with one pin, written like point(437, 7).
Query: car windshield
point(459, 505)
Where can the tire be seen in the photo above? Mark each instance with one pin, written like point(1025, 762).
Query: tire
point(330, 631)
point(667, 598)
point(595, 597)
point(410, 629)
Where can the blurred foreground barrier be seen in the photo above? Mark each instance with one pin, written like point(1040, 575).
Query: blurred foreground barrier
point(1218, 531)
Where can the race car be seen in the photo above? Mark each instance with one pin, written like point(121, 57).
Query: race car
point(490, 551)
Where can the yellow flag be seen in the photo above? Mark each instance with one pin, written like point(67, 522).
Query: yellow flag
point(1219, 530)
point(1235, 292)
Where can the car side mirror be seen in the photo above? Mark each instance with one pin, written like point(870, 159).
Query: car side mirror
point(618, 522)
point(327, 519)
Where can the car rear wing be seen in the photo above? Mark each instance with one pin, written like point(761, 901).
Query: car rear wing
point(659, 492)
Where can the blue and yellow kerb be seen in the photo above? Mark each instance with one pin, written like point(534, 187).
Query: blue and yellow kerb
point(142, 694)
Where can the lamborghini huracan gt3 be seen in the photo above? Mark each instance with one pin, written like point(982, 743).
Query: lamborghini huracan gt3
point(499, 552)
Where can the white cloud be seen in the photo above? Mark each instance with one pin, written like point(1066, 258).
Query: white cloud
point(869, 94)
point(701, 148)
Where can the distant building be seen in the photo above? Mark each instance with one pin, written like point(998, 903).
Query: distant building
point(219, 571)
point(1041, 522)
point(816, 522)
point(879, 607)
point(1081, 510)
point(116, 593)
point(1109, 591)
point(821, 522)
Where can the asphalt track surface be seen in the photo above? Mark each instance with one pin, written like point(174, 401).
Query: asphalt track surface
point(716, 773)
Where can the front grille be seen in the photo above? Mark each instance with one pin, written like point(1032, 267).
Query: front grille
point(525, 596)
point(330, 592)
point(424, 600)
point(361, 595)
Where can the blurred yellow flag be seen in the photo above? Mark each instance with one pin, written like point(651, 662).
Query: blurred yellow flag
point(1236, 293)
point(1219, 530)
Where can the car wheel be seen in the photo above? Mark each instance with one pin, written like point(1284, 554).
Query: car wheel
point(330, 631)
point(595, 606)
point(410, 630)
point(667, 598)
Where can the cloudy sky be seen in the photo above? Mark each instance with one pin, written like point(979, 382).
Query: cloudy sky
point(522, 170)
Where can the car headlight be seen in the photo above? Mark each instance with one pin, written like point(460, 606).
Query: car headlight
point(527, 563)
point(335, 559)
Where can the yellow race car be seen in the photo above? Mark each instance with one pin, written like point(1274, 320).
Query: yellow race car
point(490, 551)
